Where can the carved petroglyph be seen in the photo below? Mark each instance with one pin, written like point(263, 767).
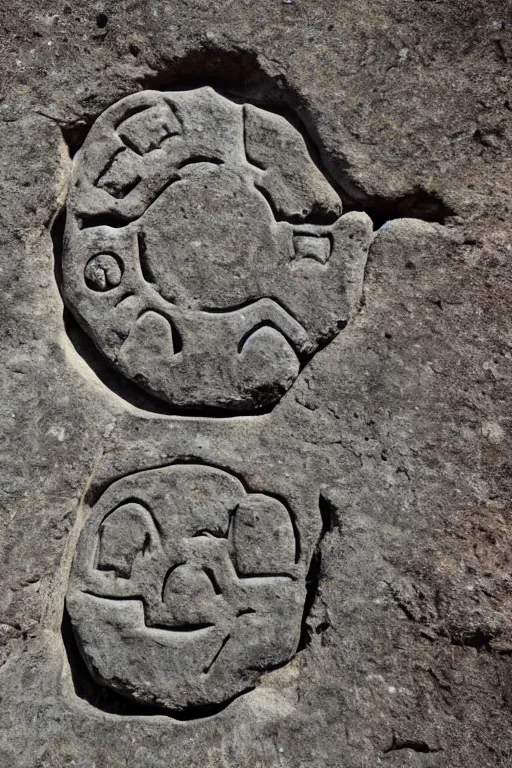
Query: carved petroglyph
point(205, 253)
point(185, 587)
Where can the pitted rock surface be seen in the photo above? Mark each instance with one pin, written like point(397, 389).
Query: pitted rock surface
point(205, 253)
point(186, 588)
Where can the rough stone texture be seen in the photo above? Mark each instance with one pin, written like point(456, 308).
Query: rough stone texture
point(399, 428)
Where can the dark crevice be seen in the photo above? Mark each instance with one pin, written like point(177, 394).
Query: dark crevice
point(125, 296)
point(185, 628)
point(74, 134)
point(123, 192)
point(131, 112)
point(139, 502)
point(109, 164)
point(236, 70)
point(250, 159)
point(109, 701)
point(177, 341)
point(146, 544)
point(479, 638)
point(275, 213)
point(312, 584)
point(247, 303)
point(171, 570)
point(265, 575)
point(328, 515)
point(265, 668)
point(326, 340)
point(263, 324)
point(207, 532)
point(129, 143)
point(415, 745)
point(57, 235)
point(113, 598)
point(113, 219)
point(419, 204)
point(329, 522)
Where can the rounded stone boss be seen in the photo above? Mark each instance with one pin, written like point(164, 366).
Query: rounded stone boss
point(186, 587)
point(204, 251)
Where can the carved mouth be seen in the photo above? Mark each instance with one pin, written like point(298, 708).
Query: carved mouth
point(199, 629)
point(181, 627)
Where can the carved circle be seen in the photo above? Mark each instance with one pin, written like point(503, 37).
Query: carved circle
point(185, 587)
point(227, 237)
point(103, 272)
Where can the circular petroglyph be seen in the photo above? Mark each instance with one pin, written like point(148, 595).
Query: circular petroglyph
point(204, 251)
point(185, 588)
point(103, 272)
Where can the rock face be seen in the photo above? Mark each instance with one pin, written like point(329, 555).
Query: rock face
point(256, 351)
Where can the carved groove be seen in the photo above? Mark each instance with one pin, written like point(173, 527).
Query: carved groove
point(226, 640)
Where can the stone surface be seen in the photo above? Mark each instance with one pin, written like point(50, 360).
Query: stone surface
point(391, 446)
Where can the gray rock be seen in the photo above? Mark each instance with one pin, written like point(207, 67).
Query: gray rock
point(391, 447)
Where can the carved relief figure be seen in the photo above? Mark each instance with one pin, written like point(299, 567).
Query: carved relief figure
point(185, 587)
point(205, 253)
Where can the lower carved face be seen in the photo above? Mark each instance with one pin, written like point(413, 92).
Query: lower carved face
point(186, 588)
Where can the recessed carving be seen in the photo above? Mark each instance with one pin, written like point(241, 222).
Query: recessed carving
point(311, 247)
point(103, 272)
point(185, 587)
point(225, 234)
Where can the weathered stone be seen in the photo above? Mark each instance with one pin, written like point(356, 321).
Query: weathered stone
point(385, 444)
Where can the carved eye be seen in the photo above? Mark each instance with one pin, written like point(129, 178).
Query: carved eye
point(312, 247)
point(147, 130)
point(263, 538)
point(103, 272)
point(124, 535)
